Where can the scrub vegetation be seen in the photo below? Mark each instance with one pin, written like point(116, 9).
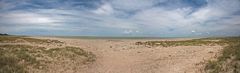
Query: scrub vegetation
point(15, 58)
point(22, 39)
point(195, 42)
point(227, 62)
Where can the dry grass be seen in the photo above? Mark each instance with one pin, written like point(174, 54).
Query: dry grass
point(72, 53)
point(196, 42)
point(22, 58)
point(14, 58)
point(21, 39)
point(227, 62)
point(18, 58)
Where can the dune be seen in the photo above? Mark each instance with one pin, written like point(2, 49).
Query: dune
point(77, 55)
point(124, 56)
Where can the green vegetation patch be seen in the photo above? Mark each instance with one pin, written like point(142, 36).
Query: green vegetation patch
point(72, 53)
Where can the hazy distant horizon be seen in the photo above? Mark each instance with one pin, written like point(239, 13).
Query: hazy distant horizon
point(119, 37)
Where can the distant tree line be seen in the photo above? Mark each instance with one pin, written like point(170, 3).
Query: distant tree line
point(2, 34)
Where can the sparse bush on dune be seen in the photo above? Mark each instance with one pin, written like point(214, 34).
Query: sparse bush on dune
point(21, 39)
point(15, 58)
point(9, 64)
point(18, 58)
point(72, 53)
point(196, 42)
point(229, 61)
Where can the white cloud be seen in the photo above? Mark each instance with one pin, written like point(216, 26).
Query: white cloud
point(105, 9)
point(214, 11)
point(159, 18)
point(183, 19)
point(130, 31)
point(193, 31)
point(28, 18)
point(127, 31)
point(84, 19)
point(130, 5)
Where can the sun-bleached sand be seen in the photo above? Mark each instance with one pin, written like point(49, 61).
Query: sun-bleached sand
point(123, 56)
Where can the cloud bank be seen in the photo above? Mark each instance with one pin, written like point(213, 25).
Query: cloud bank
point(164, 18)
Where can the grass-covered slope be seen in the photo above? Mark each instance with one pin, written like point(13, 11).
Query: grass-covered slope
point(15, 58)
point(21, 39)
point(229, 61)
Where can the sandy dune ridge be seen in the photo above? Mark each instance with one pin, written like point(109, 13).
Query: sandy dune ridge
point(123, 56)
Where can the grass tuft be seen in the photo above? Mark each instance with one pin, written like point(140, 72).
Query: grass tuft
point(229, 61)
point(12, 57)
point(71, 52)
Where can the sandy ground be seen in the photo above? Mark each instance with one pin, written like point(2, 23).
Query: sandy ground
point(123, 56)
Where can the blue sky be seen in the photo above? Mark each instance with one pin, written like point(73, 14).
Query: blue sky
point(162, 18)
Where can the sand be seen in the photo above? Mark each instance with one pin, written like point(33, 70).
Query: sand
point(123, 56)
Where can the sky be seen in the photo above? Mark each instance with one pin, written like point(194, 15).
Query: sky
point(154, 18)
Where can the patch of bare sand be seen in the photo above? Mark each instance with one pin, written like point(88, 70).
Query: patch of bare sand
point(123, 56)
